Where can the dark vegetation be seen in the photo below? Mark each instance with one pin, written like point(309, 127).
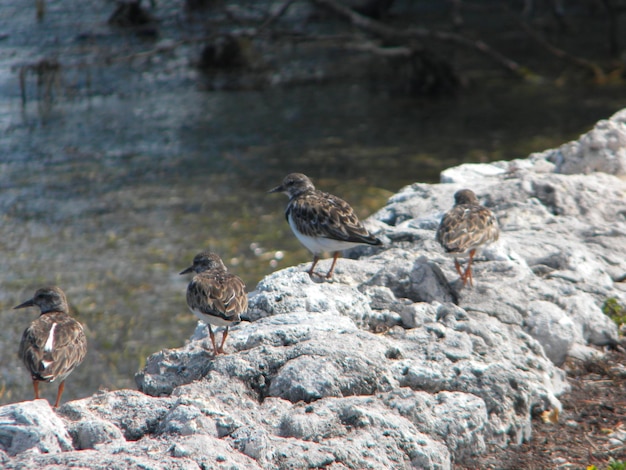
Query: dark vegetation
point(424, 48)
point(432, 47)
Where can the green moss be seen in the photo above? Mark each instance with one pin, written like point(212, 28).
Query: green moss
point(615, 311)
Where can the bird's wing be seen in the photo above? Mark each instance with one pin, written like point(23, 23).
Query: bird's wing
point(50, 358)
point(465, 227)
point(219, 294)
point(325, 215)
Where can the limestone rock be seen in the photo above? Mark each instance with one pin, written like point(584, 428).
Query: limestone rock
point(134, 414)
point(393, 363)
point(89, 433)
point(32, 426)
point(601, 149)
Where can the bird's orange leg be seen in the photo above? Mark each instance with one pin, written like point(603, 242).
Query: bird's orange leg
point(36, 389)
point(215, 350)
point(315, 260)
point(221, 348)
point(468, 271)
point(332, 266)
point(457, 265)
point(59, 393)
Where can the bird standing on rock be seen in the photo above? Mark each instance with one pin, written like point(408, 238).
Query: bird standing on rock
point(322, 222)
point(215, 296)
point(55, 343)
point(465, 228)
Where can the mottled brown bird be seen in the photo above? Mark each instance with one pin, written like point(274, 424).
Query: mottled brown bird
point(54, 344)
point(465, 228)
point(215, 296)
point(322, 222)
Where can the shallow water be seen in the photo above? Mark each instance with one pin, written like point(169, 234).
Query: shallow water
point(113, 178)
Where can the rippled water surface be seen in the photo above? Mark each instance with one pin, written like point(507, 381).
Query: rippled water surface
point(119, 167)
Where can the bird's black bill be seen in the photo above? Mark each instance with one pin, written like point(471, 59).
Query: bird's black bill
point(188, 270)
point(28, 303)
point(277, 189)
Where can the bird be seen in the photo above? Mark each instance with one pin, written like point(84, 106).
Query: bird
point(215, 296)
point(320, 221)
point(55, 343)
point(465, 228)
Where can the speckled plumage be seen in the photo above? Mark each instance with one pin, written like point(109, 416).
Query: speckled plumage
point(215, 296)
point(322, 222)
point(465, 228)
point(55, 343)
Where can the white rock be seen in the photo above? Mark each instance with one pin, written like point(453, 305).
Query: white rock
point(601, 149)
point(32, 426)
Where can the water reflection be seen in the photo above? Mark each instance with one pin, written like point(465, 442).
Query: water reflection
point(114, 189)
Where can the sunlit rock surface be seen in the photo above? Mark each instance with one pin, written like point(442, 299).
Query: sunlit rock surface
point(392, 364)
point(601, 149)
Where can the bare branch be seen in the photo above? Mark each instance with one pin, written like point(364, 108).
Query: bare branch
point(272, 18)
point(381, 51)
point(379, 29)
point(560, 53)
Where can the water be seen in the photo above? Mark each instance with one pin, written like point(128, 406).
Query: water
point(121, 167)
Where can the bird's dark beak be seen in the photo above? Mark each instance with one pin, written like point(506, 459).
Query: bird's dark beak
point(188, 270)
point(28, 303)
point(277, 189)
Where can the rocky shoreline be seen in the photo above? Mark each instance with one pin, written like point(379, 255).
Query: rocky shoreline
point(392, 364)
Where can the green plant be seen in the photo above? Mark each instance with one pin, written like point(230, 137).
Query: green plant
point(613, 465)
point(615, 311)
